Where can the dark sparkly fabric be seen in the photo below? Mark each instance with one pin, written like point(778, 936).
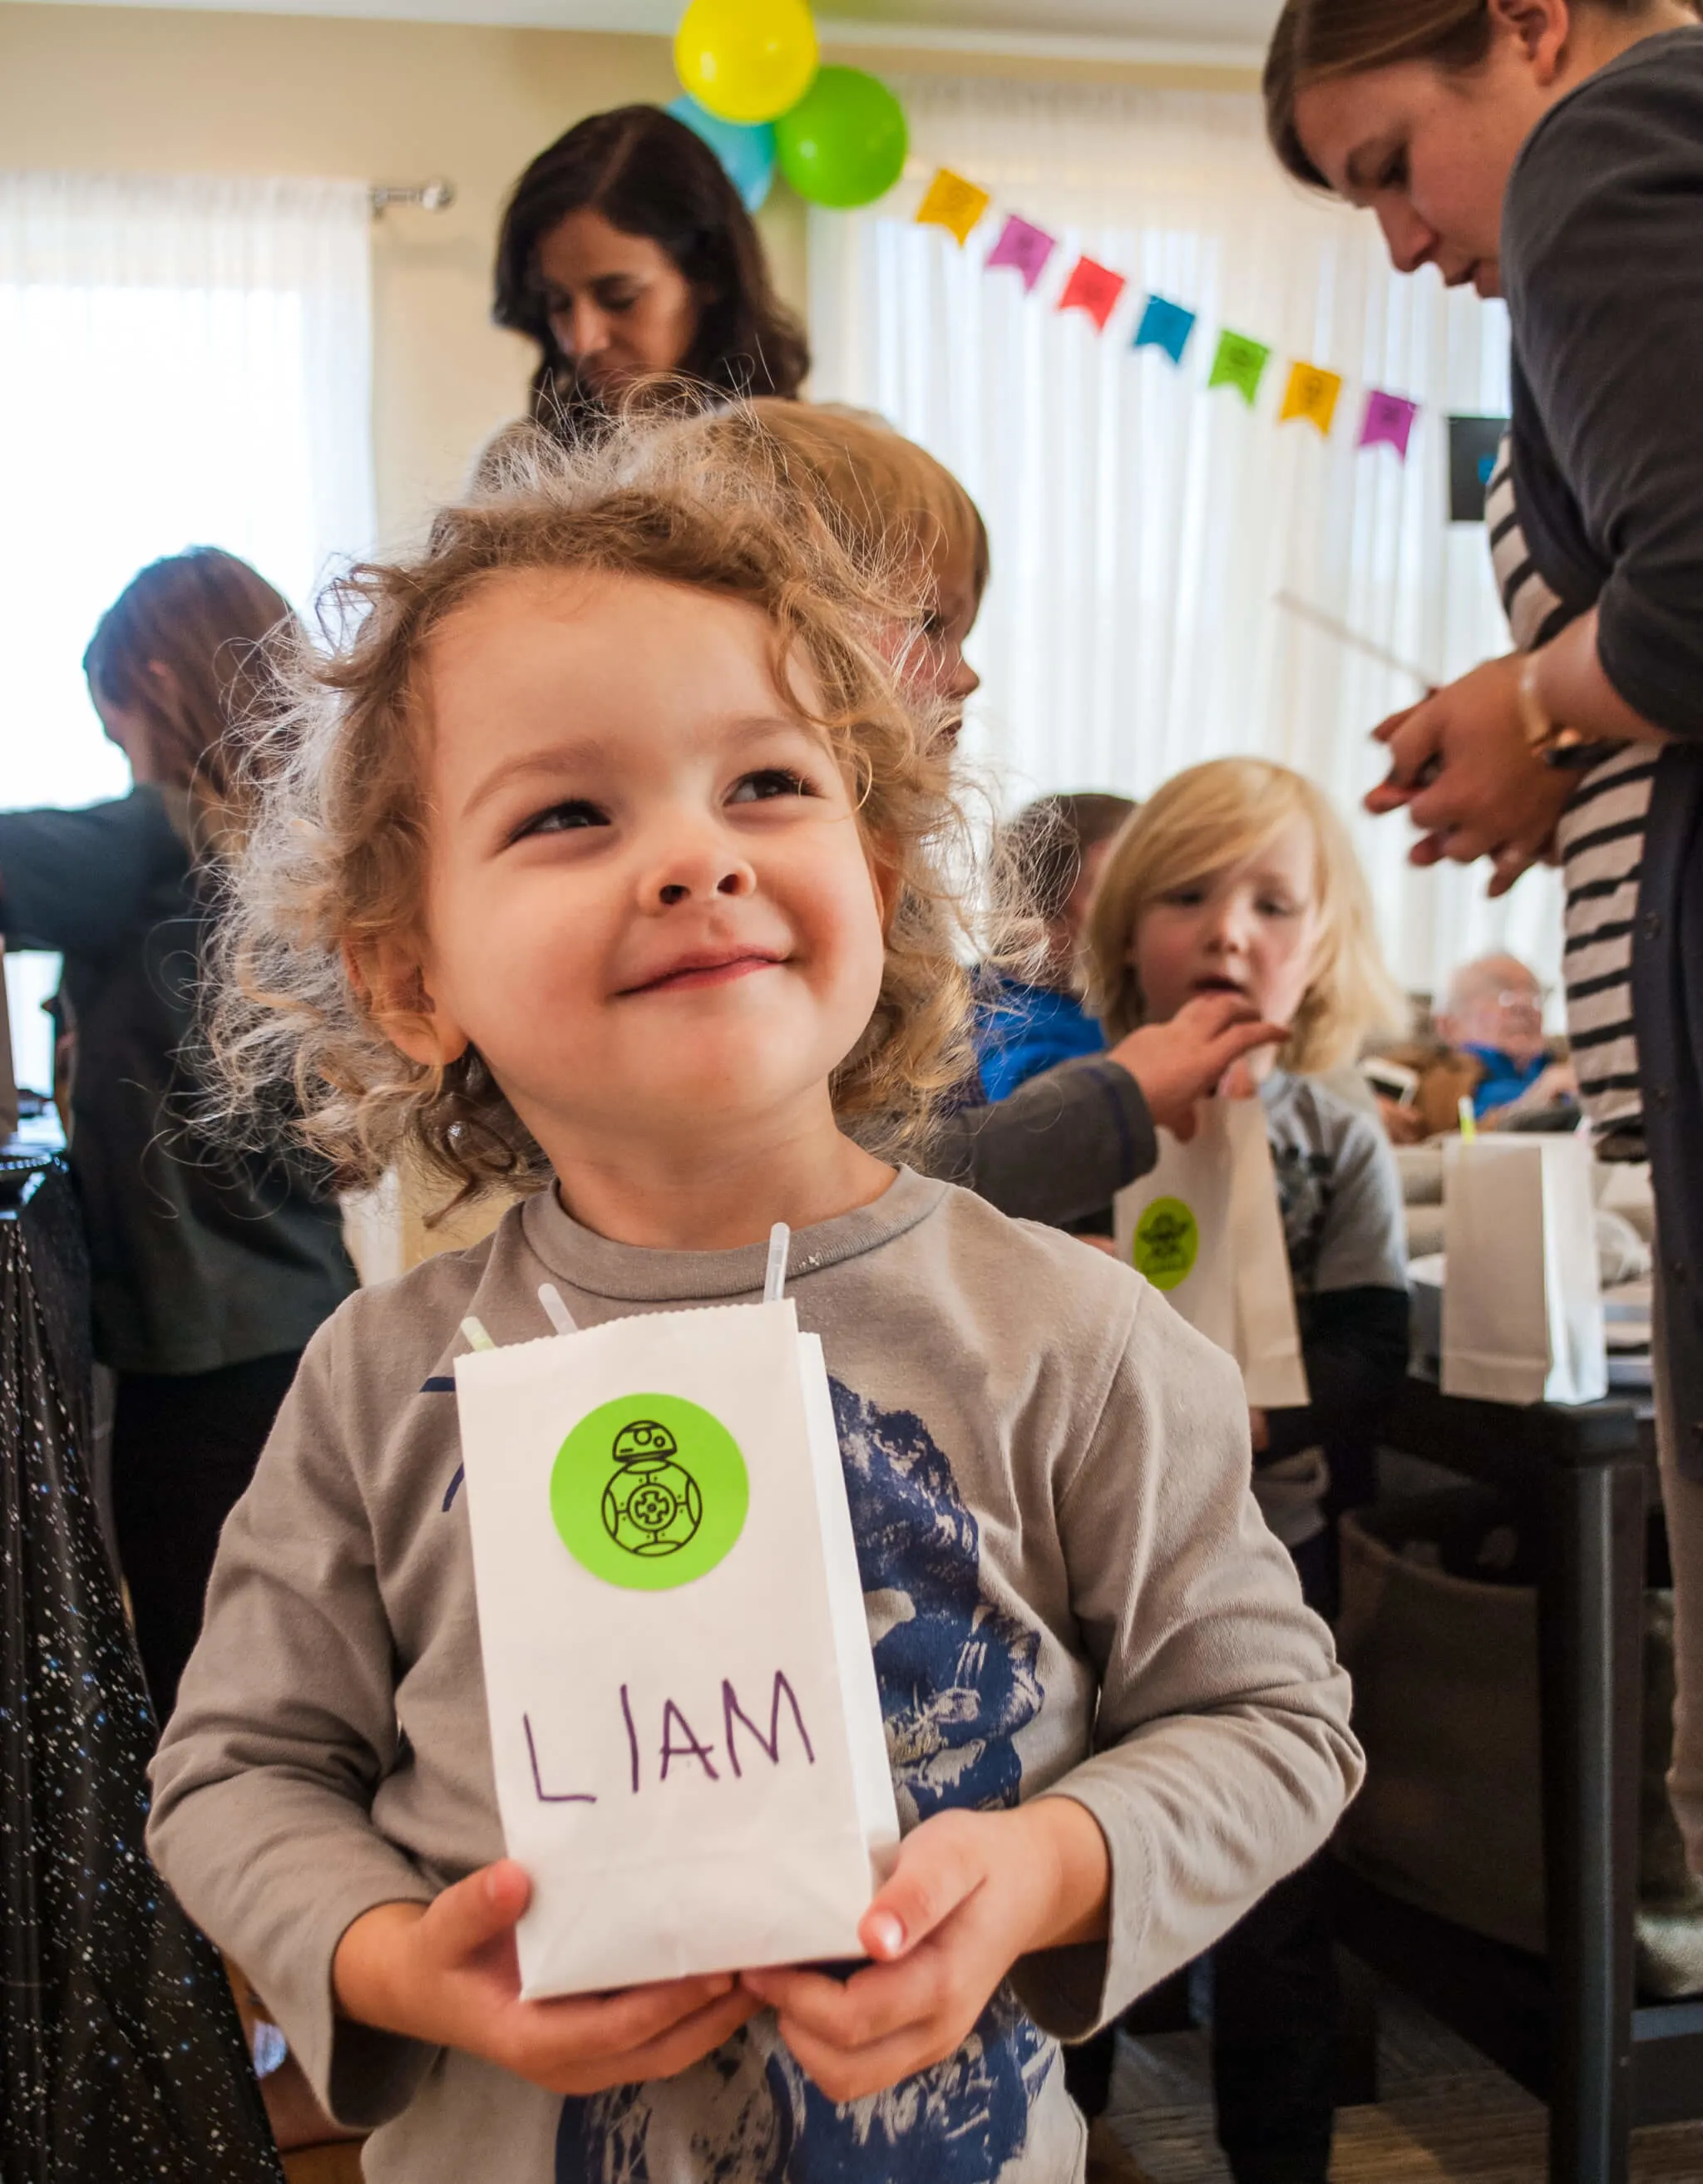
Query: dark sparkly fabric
point(121, 2056)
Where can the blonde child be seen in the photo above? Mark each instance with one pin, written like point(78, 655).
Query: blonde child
point(606, 855)
point(1237, 877)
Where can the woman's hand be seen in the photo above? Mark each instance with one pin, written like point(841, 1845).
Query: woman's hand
point(971, 1893)
point(447, 1973)
point(1461, 767)
point(1181, 1061)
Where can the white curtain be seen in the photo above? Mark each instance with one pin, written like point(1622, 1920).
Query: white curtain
point(183, 361)
point(1142, 527)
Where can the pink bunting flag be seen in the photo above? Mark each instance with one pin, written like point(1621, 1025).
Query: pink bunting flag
point(1388, 421)
point(1093, 288)
point(1026, 247)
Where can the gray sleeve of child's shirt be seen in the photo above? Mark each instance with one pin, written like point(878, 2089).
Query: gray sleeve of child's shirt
point(285, 1725)
point(1363, 1244)
point(1060, 1148)
point(1223, 1755)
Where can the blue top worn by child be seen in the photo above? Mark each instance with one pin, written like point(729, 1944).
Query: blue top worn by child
point(1022, 1029)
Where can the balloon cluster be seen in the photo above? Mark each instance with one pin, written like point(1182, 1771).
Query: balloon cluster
point(758, 96)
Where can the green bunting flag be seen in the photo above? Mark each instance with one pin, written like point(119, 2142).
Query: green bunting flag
point(1240, 363)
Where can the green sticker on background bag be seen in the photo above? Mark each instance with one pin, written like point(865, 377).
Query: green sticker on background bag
point(648, 1492)
point(1167, 1243)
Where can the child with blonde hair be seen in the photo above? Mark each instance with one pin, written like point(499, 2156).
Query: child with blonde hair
point(607, 854)
point(1237, 877)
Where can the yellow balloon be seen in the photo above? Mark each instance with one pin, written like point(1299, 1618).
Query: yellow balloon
point(746, 60)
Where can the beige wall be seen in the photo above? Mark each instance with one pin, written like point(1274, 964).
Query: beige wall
point(189, 92)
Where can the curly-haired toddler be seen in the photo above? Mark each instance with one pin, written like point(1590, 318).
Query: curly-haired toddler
point(608, 855)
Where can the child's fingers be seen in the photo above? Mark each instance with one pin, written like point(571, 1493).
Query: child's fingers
point(1242, 1038)
point(572, 2062)
point(940, 1865)
point(463, 1918)
point(692, 2038)
point(589, 2033)
point(851, 2013)
point(850, 2074)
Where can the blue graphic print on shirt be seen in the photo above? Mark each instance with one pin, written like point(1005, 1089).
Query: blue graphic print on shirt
point(958, 1681)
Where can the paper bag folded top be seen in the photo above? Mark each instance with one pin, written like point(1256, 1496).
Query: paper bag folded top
point(1204, 1226)
point(684, 1720)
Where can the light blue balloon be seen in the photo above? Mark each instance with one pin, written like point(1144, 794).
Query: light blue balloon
point(746, 150)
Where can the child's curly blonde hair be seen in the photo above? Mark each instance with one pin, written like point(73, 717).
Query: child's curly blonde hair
point(335, 858)
point(1215, 815)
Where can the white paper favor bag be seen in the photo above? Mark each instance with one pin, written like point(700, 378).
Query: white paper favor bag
point(1523, 1314)
point(1204, 1226)
point(684, 1720)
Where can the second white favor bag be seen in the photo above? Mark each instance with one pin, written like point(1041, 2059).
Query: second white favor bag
point(1205, 1227)
point(1523, 1314)
point(685, 1724)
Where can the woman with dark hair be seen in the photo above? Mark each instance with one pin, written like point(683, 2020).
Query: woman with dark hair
point(625, 251)
point(1551, 152)
point(210, 1271)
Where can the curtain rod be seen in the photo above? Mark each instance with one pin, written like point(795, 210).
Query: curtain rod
point(436, 196)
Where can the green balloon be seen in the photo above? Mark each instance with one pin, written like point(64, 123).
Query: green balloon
point(845, 142)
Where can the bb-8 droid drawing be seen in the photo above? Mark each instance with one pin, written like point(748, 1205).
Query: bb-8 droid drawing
point(651, 1506)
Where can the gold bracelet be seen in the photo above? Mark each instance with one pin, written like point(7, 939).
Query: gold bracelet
point(1540, 730)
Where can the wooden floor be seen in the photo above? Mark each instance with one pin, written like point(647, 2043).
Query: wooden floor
point(1446, 2117)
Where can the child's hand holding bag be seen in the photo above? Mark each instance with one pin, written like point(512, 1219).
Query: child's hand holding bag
point(448, 1974)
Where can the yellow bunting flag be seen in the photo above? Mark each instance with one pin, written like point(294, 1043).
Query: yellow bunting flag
point(951, 203)
point(1311, 395)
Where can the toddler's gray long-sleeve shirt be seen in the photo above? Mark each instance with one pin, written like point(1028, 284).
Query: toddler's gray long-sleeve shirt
point(1068, 1585)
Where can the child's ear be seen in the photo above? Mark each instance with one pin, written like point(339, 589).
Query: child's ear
point(886, 872)
point(390, 979)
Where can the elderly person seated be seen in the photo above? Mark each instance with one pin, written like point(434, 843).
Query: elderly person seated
point(1493, 1016)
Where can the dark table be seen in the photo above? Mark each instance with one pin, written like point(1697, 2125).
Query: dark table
point(1570, 2027)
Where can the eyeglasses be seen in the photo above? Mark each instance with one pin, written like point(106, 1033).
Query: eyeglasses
point(1522, 997)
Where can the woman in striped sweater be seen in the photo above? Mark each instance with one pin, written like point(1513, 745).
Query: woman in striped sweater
point(1551, 152)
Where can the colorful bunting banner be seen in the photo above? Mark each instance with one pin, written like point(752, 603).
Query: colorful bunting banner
point(1093, 288)
point(951, 203)
point(1166, 326)
point(1311, 396)
point(1388, 421)
point(1240, 363)
point(1026, 247)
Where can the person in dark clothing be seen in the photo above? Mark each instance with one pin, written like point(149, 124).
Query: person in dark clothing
point(625, 252)
point(1551, 152)
point(210, 1271)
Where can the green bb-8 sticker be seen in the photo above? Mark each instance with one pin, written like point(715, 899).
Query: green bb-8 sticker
point(1167, 1243)
point(648, 1492)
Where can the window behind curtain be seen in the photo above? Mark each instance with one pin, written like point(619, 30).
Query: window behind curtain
point(1142, 526)
point(184, 360)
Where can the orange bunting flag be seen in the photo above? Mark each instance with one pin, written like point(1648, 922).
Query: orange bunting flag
point(1311, 395)
point(951, 203)
point(1092, 289)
